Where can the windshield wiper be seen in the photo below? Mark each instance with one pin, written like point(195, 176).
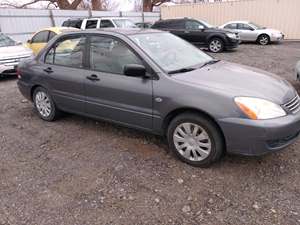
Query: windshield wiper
point(210, 62)
point(182, 70)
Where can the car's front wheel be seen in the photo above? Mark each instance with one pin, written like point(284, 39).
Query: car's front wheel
point(44, 104)
point(195, 139)
point(216, 45)
point(263, 39)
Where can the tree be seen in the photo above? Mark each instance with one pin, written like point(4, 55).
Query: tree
point(150, 4)
point(104, 5)
point(62, 4)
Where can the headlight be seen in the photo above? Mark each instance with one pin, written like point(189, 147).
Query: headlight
point(231, 35)
point(259, 109)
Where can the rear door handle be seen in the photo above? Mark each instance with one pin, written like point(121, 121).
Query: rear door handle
point(48, 70)
point(93, 77)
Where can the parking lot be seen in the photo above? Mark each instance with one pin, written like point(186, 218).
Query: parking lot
point(82, 171)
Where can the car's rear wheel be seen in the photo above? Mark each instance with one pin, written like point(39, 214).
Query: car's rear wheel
point(195, 139)
point(216, 45)
point(44, 105)
point(263, 39)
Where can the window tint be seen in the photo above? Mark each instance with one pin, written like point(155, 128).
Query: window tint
point(68, 52)
point(231, 26)
point(106, 23)
point(192, 25)
point(242, 26)
point(90, 24)
point(41, 37)
point(73, 23)
point(124, 23)
point(176, 24)
point(66, 23)
point(110, 55)
point(51, 35)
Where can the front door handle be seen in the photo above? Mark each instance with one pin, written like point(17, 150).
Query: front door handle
point(48, 70)
point(93, 77)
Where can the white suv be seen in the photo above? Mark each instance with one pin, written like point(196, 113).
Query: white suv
point(105, 22)
point(11, 53)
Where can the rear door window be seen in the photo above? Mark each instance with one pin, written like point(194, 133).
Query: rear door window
point(231, 26)
point(243, 26)
point(41, 37)
point(67, 52)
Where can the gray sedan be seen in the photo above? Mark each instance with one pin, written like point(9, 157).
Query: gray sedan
point(156, 82)
point(249, 31)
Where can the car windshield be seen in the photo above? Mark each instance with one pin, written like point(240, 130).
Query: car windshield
point(256, 26)
point(170, 52)
point(121, 23)
point(6, 41)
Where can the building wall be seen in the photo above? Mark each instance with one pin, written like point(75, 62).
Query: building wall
point(283, 15)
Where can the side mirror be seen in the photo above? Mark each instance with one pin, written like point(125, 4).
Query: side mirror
point(201, 27)
point(29, 41)
point(135, 70)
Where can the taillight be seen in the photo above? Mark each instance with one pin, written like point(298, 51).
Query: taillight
point(18, 73)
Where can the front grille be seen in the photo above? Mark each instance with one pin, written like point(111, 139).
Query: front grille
point(293, 105)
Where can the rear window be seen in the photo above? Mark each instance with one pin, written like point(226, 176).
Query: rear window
point(72, 23)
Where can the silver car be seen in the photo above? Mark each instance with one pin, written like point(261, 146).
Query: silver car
point(11, 53)
point(249, 31)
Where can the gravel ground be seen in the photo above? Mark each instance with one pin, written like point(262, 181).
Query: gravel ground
point(80, 171)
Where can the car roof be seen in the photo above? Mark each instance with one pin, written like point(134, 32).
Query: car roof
point(102, 18)
point(238, 21)
point(123, 31)
point(58, 30)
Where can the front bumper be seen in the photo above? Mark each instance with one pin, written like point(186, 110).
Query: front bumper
point(232, 43)
point(8, 65)
point(8, 69)
point(259, 137)
point(276, 38)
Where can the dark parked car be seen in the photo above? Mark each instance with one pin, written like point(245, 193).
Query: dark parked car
point(200, 33)
point(145, 25)
point(157, 82)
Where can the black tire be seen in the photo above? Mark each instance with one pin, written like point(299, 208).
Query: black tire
point(54, 111)
point(263, 39)
point(216, 139)
point(216, 45)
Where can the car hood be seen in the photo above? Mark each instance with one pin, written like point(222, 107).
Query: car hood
point(237, 80)
point(14, 52)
